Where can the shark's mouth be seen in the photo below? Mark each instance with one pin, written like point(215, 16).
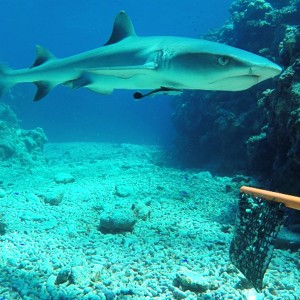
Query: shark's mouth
point(235, 83)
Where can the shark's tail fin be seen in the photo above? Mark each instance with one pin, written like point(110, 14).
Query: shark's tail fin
point(4, 82)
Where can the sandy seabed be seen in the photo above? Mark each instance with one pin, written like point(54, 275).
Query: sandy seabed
point(53, 247)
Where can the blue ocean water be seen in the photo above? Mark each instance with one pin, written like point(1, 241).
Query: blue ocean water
point(70, 27)
point(57, 214)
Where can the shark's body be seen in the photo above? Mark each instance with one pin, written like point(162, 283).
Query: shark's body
point(161, 63)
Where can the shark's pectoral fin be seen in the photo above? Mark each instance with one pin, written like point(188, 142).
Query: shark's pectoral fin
point(42, 56)
point(85, 81)
point(79, 82)
point(43, 88)
point(100, 90)
point(124, 72)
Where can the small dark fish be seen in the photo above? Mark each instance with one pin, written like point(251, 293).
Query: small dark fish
point(184, 194)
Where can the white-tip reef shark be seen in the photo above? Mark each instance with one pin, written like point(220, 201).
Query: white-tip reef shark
point(161, 64)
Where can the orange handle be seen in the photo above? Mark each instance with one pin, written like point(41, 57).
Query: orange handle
point(288, 200)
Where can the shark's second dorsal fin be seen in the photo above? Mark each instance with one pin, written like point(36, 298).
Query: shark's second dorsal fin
point(42, 56)
point(123, 28)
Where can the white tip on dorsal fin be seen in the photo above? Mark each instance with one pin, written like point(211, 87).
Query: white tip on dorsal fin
point(123, 28)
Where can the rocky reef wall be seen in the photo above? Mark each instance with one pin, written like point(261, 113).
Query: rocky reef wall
point(257, 130)
point(19, 146)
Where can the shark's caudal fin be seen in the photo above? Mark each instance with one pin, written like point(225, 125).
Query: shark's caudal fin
point(122, 29)
point(43, 87)
point(5, 85)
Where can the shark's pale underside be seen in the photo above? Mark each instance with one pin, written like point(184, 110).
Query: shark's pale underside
point(157, 63)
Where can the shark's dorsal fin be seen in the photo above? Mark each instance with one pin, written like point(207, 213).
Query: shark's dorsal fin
point(42, 56)
point(122, 29)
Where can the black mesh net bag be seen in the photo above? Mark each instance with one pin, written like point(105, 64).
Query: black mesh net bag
point(257, 225)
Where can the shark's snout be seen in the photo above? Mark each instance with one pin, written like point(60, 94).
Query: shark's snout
point(246, 76)
point(263, 72)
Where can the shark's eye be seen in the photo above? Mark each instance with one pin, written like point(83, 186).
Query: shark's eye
point(223, 60)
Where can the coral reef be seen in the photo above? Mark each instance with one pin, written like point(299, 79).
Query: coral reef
point(257, 130)
point(18, 145)
point(282, 106)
